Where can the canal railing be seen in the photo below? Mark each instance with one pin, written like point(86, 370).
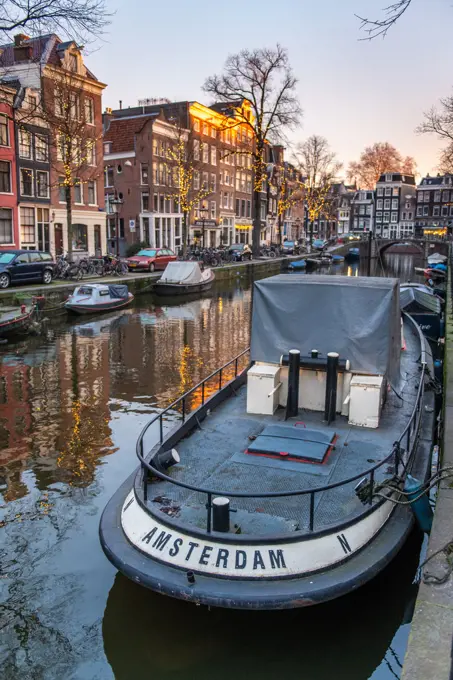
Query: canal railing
point(400, 456)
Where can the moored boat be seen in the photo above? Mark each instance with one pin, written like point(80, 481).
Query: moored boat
point(310, 447)
point(436, 258)
point(14, 320)
point(425, 308)
point(298, 264)
point(97, 297)
point(183, 278)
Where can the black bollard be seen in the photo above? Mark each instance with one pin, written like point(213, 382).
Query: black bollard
point(314, 353)
point(221, 514)
point(331, 387)
point(292, 404)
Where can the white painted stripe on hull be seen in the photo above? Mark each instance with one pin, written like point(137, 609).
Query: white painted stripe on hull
point(239, 560)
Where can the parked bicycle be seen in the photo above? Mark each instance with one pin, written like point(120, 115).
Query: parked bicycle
point(66, 269)
point(113, 266)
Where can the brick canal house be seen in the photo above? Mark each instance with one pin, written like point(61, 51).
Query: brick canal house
point(434, 216)
point(395, 206)
point(9, 222)
point(138, 170)
point(38, 68)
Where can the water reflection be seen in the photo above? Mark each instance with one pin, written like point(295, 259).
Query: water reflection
point(346, 638)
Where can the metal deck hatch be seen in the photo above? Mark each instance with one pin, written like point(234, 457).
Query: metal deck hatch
point(294, 443)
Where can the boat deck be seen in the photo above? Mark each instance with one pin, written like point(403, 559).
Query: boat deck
point(215, 457)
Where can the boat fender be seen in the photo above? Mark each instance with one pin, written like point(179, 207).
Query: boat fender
point(421, 508)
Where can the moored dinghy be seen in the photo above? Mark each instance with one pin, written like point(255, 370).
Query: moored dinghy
point(97, 297)
point(182, 278)
point(296, 445)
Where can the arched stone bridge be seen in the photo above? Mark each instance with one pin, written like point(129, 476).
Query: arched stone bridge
point(379, 246)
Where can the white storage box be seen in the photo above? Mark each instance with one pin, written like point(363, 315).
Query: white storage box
point(263, 382)
point(366, 399)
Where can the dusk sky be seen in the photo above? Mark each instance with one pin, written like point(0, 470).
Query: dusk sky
point(353, 93)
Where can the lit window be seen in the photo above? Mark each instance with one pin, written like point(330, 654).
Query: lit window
point(42, 184)
point(89, 110)
point(24, 144)
point(26, 182)
point(205, 153)
point(4, 138)
point(91, 189)
point(213, 210)
point(41, 148)
point(196, 125)
point(27, 226)
point(196, 149)
point(196, 180)
point(144, 173)
point(213, 155)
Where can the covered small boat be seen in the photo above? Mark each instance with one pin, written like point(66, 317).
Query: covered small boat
point(309, 447)
point(425, 308)
point(435, 274)
point(182, 278)
point(352, 254)
point(336, 259)
point(298, 264)
point(97, 297)
point(15, 320)
point(436, 258)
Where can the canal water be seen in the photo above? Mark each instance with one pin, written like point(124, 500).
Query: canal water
point(72, 402)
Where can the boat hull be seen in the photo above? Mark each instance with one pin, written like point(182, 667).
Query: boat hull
point(15, 325)
point(182, 289)
point(96, 309)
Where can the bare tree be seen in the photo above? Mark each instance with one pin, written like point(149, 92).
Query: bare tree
point(184, 163)
point(288, 193)
point(319, 168)
point(74, 18)
point(377, 159)
point(263, 79)
point(439, 121)
point(391, 14)
point(72, 140)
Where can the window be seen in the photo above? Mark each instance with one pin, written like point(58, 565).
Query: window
point(108, 173)
point(196, 149)
point(73, 62)
point(74, 102)
point(42, 184)
point(386, 217)
point(404, 215)
point(394, 217)
point(380, 191)
point(213, 132)
point(91, 190)
point(205, 153)
point(238, 208)
point(426, 199)
point(451, 211)
point(394, 204)
point(205, 129)
point(410, 216)
point(213, 155)
point(213, 183)
point(396, 191)
point(425, 211)
point(144, 173)
point(6, 225)
point(91, 152)
point(62, 192)
point(196, 180)
point(41, 148)
point(379, 204)
point(205, 180)
point(436, 211)
point(4, 139)
point(436, 196)
point(58, 101)
point(79, 237)
point(161, 203)
point(27, 226)
point(24, 144)
point(156, 202)
point(445, 195)
point(243, 204)
point(388, 191)
point(5, 177)
point(26, 182)
point(419, 211)
point(89, 110)
point(368, 210)
point(43, 231)
point(196, 125)
point(379, 217)
point(362, 209)
point(225, 199)
point(249, 208)
point(78, 191)
point(387, 204)
point(444, 211)
point(145, 202)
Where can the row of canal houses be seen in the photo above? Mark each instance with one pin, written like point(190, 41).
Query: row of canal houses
point(128, 168)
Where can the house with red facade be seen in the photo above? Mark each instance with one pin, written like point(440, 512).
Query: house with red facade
point(9, 222)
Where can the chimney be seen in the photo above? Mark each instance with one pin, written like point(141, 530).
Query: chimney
point(121, 104)
point(22, 48)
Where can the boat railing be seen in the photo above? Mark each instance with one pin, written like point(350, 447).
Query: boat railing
point(400, 456)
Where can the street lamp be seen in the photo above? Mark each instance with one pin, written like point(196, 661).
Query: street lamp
point(203, 214)
point(116, 204)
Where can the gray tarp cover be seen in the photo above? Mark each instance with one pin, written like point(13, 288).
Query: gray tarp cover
point(182, 272)
point(355, 316)
point(118, 291)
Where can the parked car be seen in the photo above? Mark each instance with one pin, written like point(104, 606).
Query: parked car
point(237, 251)
point(290, 248)
point(151, 259)
point(25, 266)
point(319, 244)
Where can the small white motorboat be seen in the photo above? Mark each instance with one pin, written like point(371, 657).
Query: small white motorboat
point(98, 297)
point(181, 278)
point(436, 258)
